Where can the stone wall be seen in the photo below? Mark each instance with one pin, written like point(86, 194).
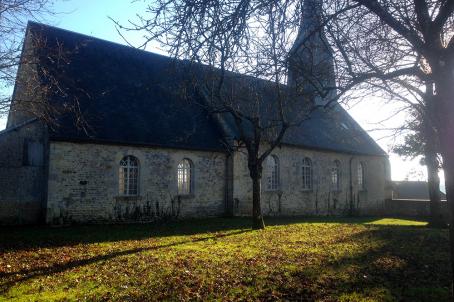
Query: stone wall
point(291, 199)
point(22, 174)
point(83, 184)
point(414, 208)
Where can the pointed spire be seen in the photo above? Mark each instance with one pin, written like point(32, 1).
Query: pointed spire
point(311, 67)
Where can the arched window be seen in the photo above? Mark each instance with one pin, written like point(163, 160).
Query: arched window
point(184, 175)
point(307, 173)
point(361, 176)
point(272, 173)
point(129, 176)
point(335, 176)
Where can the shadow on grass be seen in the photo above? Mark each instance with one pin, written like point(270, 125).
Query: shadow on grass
point(11, 278)
point(404, 263)
point(338, 219)
point(410, 264)
point(28, 237)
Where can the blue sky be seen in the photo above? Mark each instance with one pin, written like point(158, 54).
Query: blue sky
point(91, 17)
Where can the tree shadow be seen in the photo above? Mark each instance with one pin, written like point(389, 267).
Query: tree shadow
point(31, 237)
point(408, 262)
point(411, 264)
point(9, 279)
point(373, 220)
point(271, 221)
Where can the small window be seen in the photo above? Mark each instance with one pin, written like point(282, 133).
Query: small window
point(184, 177)
point(335, 176)
point(32, 153)
point(129, 176)
point(307, 174)
point(272, 173)
point(361, 176)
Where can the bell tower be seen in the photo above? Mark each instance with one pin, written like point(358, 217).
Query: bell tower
point(310, 62)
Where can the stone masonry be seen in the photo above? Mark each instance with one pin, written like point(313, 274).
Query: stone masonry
point(83, 184)
point(291, 199)
point(22, 182)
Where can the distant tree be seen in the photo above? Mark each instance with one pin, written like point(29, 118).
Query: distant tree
point(14, 15)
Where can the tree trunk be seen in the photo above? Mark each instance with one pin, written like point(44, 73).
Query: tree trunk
point(257, 216)
point(448, 167)
point(431, 147)
point(255, 170)
point(445, 118)
point(436, 217)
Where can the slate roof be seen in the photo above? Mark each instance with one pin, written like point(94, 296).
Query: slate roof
point(130, 96)
point(333, 129)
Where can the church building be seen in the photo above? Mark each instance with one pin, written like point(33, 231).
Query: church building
point(137, 151)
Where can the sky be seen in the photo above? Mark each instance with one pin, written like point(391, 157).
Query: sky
point(91, 17)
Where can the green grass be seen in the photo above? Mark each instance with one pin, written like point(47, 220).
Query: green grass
point(305, 259)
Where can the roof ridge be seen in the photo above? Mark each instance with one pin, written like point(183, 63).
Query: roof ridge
point(143, 51)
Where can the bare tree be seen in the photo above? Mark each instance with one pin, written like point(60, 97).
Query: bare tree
point(32, 64)
point(246, 46)
point(389, 45)
point(405, 44)
point(377, 44)
point(14, 15)
point(263, 39)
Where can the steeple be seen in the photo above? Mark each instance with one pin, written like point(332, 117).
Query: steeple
point(311, 67)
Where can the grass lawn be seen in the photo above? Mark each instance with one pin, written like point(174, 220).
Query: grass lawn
point(303, 259)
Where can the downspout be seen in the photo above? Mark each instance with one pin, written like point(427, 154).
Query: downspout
point(228, 192)
point(229, 141)
point(351, 187)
